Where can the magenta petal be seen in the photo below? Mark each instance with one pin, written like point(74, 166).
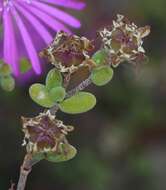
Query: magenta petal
point(40, 15)
point(36, 24)
point(48, 20)
point(61, 15)
point(27, 42)
point(10, 49)
point(1, 9)
point(67, 3)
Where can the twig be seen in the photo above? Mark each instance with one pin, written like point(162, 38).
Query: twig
point(54, 109)
point(28, 161)
point(66, 80)
point(12, 186)
point(25, 170)
point(80, 87)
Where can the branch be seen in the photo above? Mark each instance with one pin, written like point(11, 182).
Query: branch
point(80, 87)
point(25, 170)
point(28, 161)
point(12, 186)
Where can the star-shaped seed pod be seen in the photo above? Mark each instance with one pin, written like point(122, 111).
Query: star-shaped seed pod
point(68, 52)
point(44, 133)
point(124, 40)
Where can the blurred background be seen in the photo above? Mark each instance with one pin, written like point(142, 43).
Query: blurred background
point(122, 142)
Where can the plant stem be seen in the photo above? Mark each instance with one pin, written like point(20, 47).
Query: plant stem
point(80, 87)
point(28, 161)
point(25, 170)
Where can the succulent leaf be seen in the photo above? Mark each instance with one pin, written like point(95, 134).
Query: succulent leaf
point(54, 79)
point(102, 75)
point(79, 103)
point(7, 83)
point(25, 65)
point(5, 69)
point(40, 95)
point(100, 57)
point(57, 94)
point(66, 153)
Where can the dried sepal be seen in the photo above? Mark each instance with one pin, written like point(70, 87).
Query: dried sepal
point(124, 41)
point(44, 133)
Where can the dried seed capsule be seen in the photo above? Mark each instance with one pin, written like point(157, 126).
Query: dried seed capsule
point(44, 133)
point(68, 52)
point(124, 41)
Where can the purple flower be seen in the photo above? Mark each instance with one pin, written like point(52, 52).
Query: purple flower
point(20, 18)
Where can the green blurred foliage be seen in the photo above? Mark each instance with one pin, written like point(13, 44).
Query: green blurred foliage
point(87, 170)
point(25, 65)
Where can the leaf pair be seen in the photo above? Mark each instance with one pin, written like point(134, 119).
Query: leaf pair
point(53, 92)
point(50, 93)
point(79, 103)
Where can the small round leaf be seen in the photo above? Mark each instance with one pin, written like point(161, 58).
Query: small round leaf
point(66, 152)
point(79, 103)
point(57, 94)
point(40, 95)
point(100, 57)
point(54, 79)
point(101, 75)
point(25, 65)
point(7, 83)
point(5, 70)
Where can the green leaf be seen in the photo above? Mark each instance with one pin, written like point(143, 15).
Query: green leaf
point(66, 152)
point(101, 75)
point(40, 95)
point(25, 65)
point(57, 94)
point(54, 79)
point(79, 103)
point(100, 57)
point(5, 69)
point(7, 83)
point(1, 62)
